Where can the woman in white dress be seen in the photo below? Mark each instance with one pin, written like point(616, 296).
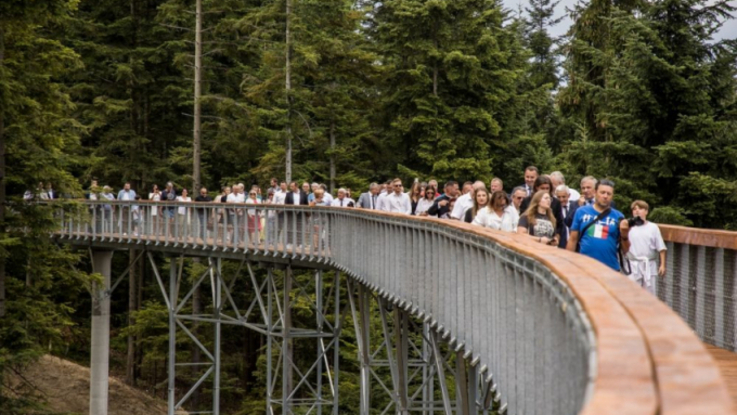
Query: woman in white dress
point(153, 211)
point(499, 215)
point(426, 202)
point(184, 214)
point(254, 221)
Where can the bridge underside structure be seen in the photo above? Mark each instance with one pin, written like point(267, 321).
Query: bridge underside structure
point(471, 321)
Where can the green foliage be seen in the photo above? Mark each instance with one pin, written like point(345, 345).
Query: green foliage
point(654, 100)
point(450, 72)
point(452, 89)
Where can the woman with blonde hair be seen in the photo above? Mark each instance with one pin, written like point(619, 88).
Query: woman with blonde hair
point(538, 220)
point(499, 215)
point(480, 201)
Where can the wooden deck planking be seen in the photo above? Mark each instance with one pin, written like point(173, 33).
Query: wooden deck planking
point(727, 362)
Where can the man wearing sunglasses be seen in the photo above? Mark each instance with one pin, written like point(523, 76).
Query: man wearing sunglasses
point(518, 195)
point(397, 200)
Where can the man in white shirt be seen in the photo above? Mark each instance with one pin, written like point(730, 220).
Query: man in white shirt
point(465, 202)
point(342, 200)
point(467, 188)
point(235, 214)
point(647, 248)
point(126, 194)
point(276, 220)
point(397, 201)
point(385, 191)
point(327, 198)
point(280, 195)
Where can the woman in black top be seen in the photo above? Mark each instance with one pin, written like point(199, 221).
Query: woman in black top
point(415, 194)
point(538, 220)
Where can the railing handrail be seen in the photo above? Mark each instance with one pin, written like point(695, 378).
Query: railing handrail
point(648, 361)
point(714, 238)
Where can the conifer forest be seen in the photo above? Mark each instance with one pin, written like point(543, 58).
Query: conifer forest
point(342, 92)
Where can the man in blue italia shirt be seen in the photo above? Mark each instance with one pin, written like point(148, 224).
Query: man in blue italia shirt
point(599, 228)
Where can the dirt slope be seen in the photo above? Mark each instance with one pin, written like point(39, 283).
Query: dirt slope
point(65, 386)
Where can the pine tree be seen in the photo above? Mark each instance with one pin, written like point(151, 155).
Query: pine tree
point(544, 66)
point(127, 94)
point(660, 113)
point(39, 142)
point(450, 73)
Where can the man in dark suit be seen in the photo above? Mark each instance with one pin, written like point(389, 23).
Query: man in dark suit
point(294, 220)
point(545, 184)
point(52, 194)
point(531, 174)
point(568, 209)
point(441, 206)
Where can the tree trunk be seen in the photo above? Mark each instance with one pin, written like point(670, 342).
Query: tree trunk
point(130, 371)
point(196, 173)
point(197, 141)
point(2, 183)
point(288, 83)
point(332, 157)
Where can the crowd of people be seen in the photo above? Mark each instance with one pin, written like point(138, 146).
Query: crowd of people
point(543, 208)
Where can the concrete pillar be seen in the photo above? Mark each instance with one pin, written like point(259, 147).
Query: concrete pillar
point(100, 353)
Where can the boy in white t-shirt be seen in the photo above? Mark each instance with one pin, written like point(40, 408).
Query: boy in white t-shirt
point(647, 248)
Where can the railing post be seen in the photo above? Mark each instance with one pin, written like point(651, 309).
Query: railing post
point(100, 349)
point(700, 270)
point(719, 328)
point(336, 347)
point(401, 342)
point(320, 346)
point(462, 387)
point(287, 343)
point(269, 341)
point(216, 278)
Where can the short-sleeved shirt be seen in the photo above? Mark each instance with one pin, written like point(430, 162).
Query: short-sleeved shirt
point(601, 239)
point(646, 242)
point(543, 227)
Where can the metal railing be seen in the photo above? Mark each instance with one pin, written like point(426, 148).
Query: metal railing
point(701, 282)
point(519, 325)
point(513, 308)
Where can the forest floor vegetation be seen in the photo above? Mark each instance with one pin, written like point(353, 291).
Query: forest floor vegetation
point(65, 386)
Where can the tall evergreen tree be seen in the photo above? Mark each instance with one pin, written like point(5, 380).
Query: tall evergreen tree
point(125, 93)
point(450, 71)
point(543, 47)
point(39, 142)
point(663, 107)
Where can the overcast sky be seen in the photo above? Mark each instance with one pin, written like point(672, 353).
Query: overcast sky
point(729, 29)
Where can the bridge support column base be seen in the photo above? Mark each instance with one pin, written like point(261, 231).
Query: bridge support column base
point(100, 353)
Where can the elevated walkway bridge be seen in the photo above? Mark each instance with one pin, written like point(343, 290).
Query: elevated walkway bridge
point(473, 321)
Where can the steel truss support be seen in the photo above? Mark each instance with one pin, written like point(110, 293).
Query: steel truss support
point(284, 334)
point(419, 362)
point(178, 320)
point(409, 360)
